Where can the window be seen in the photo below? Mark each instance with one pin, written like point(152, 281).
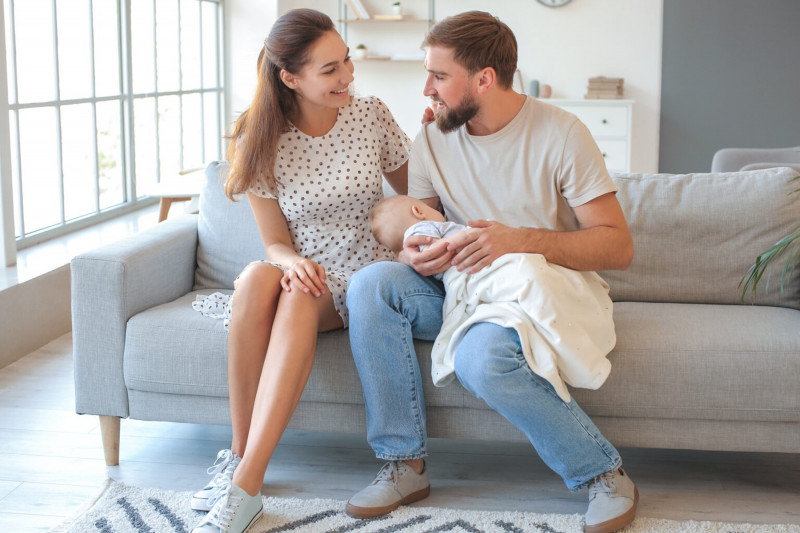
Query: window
point(105, 98)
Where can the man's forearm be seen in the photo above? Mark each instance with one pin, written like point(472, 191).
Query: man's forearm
point(597, 248)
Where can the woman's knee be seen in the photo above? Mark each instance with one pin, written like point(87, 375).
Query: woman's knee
point(258, 285)
point(258, 276)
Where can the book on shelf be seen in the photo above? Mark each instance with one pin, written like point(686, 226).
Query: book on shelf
point(594, 93)
point(603, 81)
point(614, 90)
point(595, 96)
point(388, 17)
point(409, 56)
point(358, 9)
point(601, 87)
point(604, 87)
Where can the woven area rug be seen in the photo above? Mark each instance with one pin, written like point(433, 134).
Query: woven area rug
point(120, 508)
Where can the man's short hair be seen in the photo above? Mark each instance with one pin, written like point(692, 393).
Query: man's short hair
point(478, 40)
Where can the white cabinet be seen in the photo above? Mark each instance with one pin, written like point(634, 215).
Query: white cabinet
point(609, 122)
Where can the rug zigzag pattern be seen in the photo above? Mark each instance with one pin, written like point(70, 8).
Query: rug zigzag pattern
point(124, 509)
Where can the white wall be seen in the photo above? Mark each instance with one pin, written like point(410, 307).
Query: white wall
point(562, 47)
point(247, 25)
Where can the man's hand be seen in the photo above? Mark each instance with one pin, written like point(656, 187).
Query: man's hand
point(432, 260)
point(484, 241)
point(305, 275)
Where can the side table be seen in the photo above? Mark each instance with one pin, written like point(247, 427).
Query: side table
point(181, 188)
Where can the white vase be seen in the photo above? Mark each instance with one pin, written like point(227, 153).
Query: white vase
point(397, 9)
point(360, 53)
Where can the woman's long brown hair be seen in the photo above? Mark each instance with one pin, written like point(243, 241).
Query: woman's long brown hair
point(254, 141)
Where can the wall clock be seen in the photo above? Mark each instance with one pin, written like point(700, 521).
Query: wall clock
point(554, 3)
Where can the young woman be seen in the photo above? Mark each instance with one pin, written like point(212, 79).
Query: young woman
point(311, 159)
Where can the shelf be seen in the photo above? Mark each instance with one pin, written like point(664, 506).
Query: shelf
point(409, 19)
point(384, 44)
point(386, 60)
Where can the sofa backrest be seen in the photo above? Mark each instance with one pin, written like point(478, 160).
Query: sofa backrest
point(227, 235)
point(696, 235)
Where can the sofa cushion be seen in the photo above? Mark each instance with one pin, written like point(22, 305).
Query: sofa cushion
point(173, 349)
point(696, 235)
point(671, 361)
point(704, 362)
point(227, 235)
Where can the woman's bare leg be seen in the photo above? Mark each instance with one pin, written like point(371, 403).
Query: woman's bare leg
point(252, 315)
point(284, 371)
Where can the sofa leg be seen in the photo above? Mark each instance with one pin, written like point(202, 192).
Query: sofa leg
point(109, 430)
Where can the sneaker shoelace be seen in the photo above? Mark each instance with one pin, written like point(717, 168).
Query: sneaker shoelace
point(224, 458)
point(389, 472)
point(222, 470)
point(603, 483)
point(223, 507)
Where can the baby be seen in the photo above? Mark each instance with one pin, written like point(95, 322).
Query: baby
point(396, 218)
point(563, 317)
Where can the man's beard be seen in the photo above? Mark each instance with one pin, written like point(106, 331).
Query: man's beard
point(453, 118)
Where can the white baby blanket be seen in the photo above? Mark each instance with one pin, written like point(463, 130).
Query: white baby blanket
point(564, 318)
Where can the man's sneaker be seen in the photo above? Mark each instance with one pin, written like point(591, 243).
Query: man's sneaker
point(396, 484)
point(612, 502)
point(232, 511)
point(222, 470)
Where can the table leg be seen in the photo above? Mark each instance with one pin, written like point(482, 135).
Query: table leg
point(165, 203)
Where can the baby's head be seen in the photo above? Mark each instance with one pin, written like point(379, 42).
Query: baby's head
point(392, 216)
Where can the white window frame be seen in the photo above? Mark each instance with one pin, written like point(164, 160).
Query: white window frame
point(131, 200)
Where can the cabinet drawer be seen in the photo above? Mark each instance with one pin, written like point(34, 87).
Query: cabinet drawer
point(602, 121)
point(615, 153)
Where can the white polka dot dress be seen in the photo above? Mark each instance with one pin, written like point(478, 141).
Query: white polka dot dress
point(330, 183)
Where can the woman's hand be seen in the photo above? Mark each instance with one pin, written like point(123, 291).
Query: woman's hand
point(305, 275)
point(428, 115)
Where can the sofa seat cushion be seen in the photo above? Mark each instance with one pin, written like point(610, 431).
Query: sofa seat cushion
point(708, 362)
point(677, 361)
point(174, 349)
point(171, 348)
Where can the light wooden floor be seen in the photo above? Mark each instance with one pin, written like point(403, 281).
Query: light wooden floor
point(52, 462)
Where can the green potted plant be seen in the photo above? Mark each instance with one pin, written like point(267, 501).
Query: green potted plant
point(360, 52)
point(788, 247)
point(397, 9)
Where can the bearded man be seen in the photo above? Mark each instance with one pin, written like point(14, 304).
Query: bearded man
point(528, 178)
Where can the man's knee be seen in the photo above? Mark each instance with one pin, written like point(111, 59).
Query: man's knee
point(486, 352)
point(373, 282)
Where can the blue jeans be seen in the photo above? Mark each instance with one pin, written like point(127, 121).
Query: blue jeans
point(390, 305)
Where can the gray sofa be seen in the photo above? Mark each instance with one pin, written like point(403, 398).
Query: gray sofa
point(733, 159)
point(693, 367)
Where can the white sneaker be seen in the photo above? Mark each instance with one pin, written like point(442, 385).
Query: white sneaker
point(612, 503)
point(222, 470)
point(232, 511)
point(395, 485)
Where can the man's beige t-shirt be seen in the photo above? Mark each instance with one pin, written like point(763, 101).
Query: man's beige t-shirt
point(531, 173)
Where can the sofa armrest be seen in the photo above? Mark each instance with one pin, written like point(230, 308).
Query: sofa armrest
point(109, 285)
